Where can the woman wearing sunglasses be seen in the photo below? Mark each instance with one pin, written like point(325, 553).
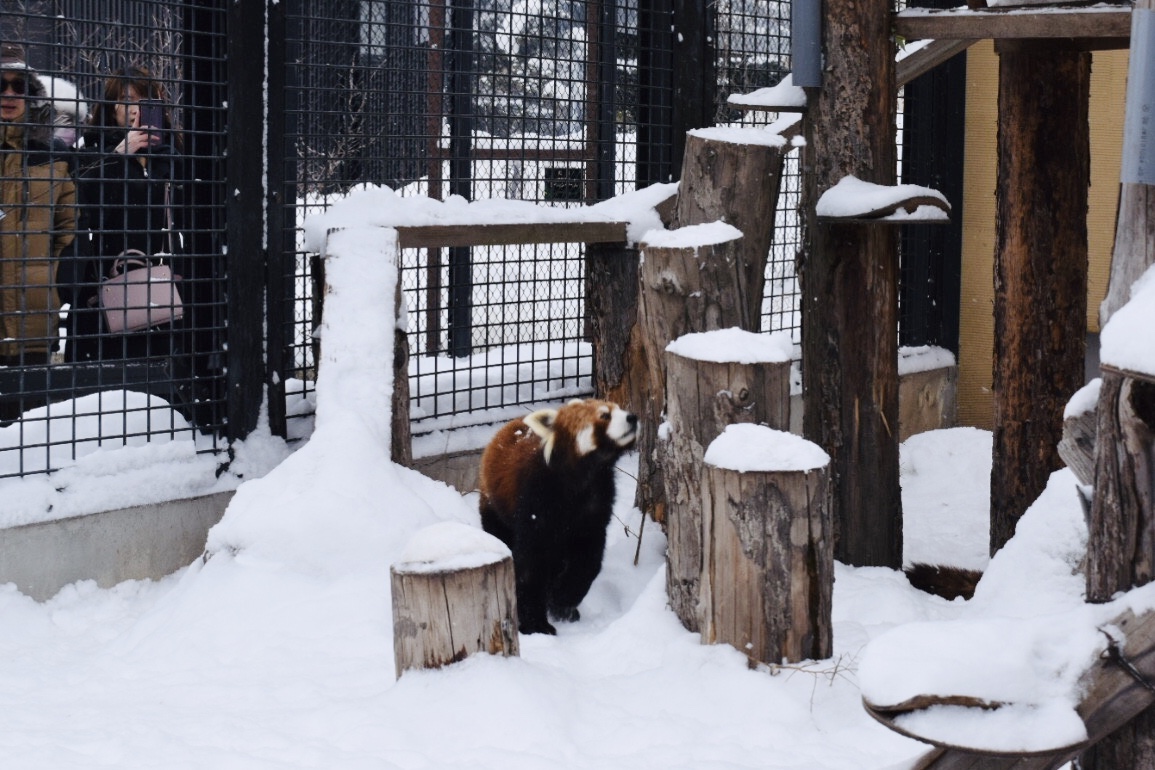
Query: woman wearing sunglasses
point(37, 216)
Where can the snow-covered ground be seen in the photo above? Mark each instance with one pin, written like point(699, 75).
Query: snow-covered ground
point(274, 651)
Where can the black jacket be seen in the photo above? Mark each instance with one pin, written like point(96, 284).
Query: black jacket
point(124, 205)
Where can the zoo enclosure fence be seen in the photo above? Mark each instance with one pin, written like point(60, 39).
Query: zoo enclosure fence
point(562, 102)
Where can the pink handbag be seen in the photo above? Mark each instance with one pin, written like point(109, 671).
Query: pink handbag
point(138, 296)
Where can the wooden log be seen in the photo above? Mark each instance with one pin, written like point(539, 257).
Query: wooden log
point(706, 394)
point(611, 291)
point(723, 180)
point(453, 595)
point(1134, 250)
point(849, 279)
point(1040, 270)
point(683, 289)
point(1077, 446)
point(1121, 550)
point(768, 566)
point(737, 183)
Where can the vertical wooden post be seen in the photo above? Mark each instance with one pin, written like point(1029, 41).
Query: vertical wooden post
point(768, 576)
point(707, 392)
point(1040, 267)
point(850, 286)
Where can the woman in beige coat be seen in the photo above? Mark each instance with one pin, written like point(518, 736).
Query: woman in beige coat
point(37, 216)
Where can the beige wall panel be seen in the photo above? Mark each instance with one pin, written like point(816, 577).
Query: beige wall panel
point(976, 324)
point(1108, 92)
point(976, 306)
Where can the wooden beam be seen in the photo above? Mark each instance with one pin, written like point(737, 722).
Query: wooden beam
point(927, 58)
point(1105, 23)
point(446, 236)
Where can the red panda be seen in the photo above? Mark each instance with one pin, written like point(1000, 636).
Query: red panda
point(547, 491)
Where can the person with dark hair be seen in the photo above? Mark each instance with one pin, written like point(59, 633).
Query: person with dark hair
point(129, 190)
point(38, 216)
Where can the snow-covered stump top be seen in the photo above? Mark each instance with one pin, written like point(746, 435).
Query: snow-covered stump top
point(769, 553)
point(713, 379)
point(453, 596)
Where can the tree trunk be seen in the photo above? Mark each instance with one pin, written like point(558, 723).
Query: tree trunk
point(722, 180)
point(611, 283)
point(768, 574)
point(683, 290)
point(703, 398)
point(1040, 269)
point(441, 616)
point(850, 287)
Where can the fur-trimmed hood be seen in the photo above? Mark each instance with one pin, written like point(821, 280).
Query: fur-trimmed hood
point(37, 126)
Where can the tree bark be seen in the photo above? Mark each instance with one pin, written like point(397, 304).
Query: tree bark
point(443, 616)
point(768, 575)
point(1040, 268)
point(683, 290)
point(703, 398)
point(722, 180)
point(850, 287)
point(611, 284)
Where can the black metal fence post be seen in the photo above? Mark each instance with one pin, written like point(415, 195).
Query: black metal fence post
point(461, 171)
point(933, 133)
point(245, 258)
point(281, 197)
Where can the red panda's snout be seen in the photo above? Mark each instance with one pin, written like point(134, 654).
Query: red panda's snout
point(623, 427)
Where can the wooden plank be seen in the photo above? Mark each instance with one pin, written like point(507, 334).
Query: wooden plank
point(927, 58)
point(446, 236)
point(1104, 23)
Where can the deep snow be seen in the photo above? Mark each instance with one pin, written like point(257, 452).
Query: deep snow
point(274, 651)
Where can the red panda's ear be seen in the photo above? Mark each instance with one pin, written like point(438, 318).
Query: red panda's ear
point(541, 422)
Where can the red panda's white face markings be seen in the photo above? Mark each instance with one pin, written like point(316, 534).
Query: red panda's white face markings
point(587, 424)
point(623, 426)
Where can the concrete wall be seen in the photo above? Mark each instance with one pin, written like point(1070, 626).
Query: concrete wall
point(145, 542)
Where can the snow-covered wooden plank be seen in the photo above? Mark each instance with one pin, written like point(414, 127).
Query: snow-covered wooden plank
point(1108, 25)
point(926, 57)
point(449, 235)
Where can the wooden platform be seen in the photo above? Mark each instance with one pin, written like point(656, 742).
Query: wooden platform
point(1091, 27)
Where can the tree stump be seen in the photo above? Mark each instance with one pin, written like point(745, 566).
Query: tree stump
point(768, 571)
point(731, 176)
point(716, 379)
point(687, 285)
point(453, 596)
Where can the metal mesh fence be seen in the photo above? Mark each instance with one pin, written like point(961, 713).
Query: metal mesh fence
point(563, 102)
point(89, 192)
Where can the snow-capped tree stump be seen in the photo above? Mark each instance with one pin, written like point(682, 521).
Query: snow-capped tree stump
point(715, 379)
point(453, 596)
point(768, 566)
point(728, 175)
point(687, 284)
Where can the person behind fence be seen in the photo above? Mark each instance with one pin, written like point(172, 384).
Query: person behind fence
point(38, 216)
point(129, 190)
point(69, 111)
